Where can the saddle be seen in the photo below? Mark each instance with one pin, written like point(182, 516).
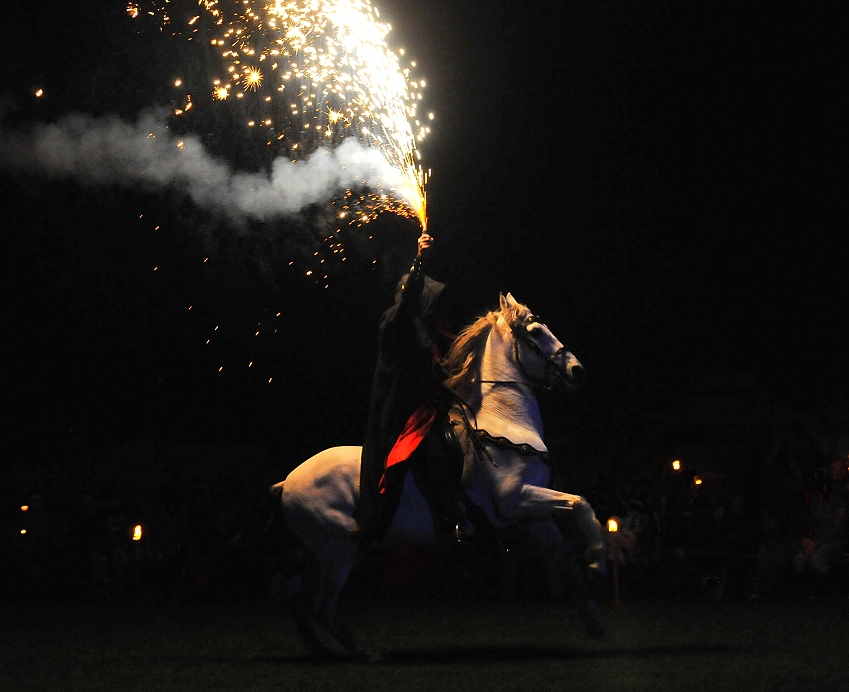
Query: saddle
point(441, 471)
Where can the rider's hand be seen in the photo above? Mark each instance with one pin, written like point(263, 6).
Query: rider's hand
point(425, 242)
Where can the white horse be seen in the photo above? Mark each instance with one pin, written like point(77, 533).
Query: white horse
point(494, 367)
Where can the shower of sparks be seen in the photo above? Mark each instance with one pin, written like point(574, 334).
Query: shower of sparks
point(308, 74)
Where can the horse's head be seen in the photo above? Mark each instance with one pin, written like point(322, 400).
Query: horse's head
point(541, 358)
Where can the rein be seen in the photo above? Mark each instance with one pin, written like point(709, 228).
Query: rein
point(524, 449)
point(480, 437)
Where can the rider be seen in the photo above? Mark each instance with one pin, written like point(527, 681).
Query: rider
point(405, 390)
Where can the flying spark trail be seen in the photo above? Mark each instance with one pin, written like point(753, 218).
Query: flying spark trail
point(309, 75)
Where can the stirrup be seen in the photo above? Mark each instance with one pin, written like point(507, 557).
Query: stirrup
point(464, 530)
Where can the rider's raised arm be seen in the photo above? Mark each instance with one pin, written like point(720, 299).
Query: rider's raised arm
point(412, 287)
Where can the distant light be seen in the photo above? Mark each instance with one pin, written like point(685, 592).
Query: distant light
point(612, 525)
point(23, 531)
point(39, 93)
point(137, 532)
point(697, 480)
point(676, 464)
point(25, 508)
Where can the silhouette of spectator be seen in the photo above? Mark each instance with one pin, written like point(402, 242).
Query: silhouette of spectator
point(84, 539)
point(693, 531)
point(169, 535)
point(118, 562)
point(785, 519)
point(40, 539)
point(639, 537)
point(827, 539)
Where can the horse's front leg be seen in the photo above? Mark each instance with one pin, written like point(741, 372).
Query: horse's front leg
point(553, 554)
point(533, 501)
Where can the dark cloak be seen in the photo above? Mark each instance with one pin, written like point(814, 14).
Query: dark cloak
point(404, 378)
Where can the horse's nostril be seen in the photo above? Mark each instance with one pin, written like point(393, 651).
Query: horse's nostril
point(578, 374)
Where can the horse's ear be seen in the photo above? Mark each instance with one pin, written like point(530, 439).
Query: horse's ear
point(508, 302)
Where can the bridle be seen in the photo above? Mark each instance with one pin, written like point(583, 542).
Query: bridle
point(553, 371)
point(553, 374)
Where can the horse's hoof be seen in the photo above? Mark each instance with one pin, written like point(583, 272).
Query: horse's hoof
point(375, 657)
point(320, 657)
point(369, 656)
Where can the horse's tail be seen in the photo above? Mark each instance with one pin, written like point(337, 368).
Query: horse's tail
point(282, 545)
point(272, 518)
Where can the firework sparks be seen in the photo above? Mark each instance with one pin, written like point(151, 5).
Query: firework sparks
point(252, 78)
point(314, 73)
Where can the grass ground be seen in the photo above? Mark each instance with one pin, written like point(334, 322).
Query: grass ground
point(469, 645)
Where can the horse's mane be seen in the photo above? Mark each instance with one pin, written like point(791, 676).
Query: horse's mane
point(462, 362)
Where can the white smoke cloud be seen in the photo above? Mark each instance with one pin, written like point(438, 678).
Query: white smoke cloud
point(110, 151)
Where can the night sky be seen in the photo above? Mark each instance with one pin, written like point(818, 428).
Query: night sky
point(656, 180)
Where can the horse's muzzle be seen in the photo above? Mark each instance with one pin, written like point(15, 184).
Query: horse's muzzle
point(578, 374)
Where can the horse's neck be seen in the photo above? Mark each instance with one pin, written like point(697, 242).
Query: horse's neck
point(504, 412)
point(508, 408)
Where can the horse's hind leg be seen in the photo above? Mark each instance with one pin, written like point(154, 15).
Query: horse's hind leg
point(300, 602)
point(316, 650)
point(314, 605)
point(334, 575)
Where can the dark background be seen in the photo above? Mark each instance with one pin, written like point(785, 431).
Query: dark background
point(656, 180)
